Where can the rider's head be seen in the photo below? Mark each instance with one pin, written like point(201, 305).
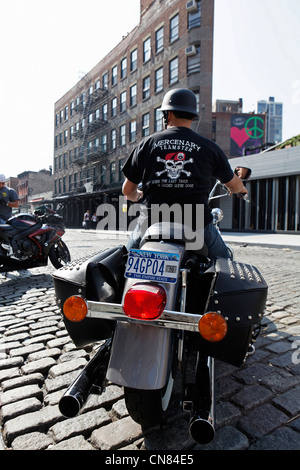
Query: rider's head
point(180, 101)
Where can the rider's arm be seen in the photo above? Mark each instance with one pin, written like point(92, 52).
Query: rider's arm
point(13, 203)
point(235, 185)
point(131, 190)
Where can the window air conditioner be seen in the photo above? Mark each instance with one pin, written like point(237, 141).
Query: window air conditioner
point(190, 50)
point(191, 5)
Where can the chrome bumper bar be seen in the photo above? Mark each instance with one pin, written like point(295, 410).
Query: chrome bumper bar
point(168, 319)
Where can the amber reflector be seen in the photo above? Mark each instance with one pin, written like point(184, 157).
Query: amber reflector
point(75, 308)
point(212, 327)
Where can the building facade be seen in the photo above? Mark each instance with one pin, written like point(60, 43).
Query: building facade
point(273, 111)
point(274, 193)
point(103, 117)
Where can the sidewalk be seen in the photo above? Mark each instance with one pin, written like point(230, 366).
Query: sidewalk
point(271, 240)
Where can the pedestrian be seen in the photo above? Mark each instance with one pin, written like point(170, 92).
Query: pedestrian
point(176, 166)
point(8, 200)
point(94, 221)
point(87, 220)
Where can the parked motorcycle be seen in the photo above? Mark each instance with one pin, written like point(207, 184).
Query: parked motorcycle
point(155, 307)
point(28, 240)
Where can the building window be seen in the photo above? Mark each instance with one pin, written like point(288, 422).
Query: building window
point(132, 131)
point(174, 28)
point(114, 75)
point(55, 164)
point(90, 147)
point(70, 157)
point(97, 85)
point(105, 112)
point(194, 17)
point(97, 114)
point(123, 101)
point(103, 174)
point(123, 135)
point(159, 76)
point(158, 123)
point(133, 95)
point(145, 124)
point(173, 70)
point(70, 182)
point(96, 143)
point(114, 107)
point(159, 40)
point(147, 50)
point(56, 119)
point(146, 87)
point(65, 161)
point(133, 60)
point(121, 164)
point(104, 143)
point(66, 113)
point(113, 172)
point(90, 118)
point(123, 67)
point(193, 61)
point(65, 136)
point(113, 139)
point(71, 132)
point(105, 81)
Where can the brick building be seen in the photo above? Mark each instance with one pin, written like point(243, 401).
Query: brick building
point(101, 119)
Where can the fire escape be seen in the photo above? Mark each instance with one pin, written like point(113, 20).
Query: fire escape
point(92, 133)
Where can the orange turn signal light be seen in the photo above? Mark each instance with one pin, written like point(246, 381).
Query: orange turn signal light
point(212, 327)
point(75, 308)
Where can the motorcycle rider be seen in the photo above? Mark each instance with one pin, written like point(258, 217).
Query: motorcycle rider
point(176, 166)
point(8, 199)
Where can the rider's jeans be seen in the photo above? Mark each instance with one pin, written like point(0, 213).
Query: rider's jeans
point(2, 221)
point(213, 240)
point(215, 243)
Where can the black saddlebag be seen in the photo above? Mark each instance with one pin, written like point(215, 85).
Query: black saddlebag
point(239, 294)
point(98, 278)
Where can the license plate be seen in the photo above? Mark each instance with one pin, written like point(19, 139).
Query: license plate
point(152, 266)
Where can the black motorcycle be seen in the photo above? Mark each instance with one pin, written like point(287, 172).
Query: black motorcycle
point(28, 240)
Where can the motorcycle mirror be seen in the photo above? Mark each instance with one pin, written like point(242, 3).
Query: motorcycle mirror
point(243, 172)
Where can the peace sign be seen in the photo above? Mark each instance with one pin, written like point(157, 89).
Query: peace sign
point(253, 129)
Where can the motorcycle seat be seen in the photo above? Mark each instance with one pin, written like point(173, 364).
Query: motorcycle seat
point(175, 232)
point(6, 227)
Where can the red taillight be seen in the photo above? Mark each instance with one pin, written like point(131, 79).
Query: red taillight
point(145, 301)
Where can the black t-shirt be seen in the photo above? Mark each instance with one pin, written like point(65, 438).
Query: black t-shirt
point(176, 166)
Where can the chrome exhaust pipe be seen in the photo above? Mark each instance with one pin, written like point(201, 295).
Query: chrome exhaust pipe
point(201, 427)
point(93, 374)
point(201, 424)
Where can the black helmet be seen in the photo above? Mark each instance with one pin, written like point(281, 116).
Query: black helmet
point(180, 99)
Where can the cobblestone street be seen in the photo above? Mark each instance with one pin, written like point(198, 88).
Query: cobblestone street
point(258, 404)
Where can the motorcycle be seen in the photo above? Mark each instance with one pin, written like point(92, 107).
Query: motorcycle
point(28, 240)
point(152, 309)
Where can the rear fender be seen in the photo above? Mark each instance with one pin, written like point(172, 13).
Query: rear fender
point(142, 355)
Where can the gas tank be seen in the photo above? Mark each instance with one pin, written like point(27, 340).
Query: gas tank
point(23, 221)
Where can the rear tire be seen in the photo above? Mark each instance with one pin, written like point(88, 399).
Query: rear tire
point(59, 254)
point(146, 407)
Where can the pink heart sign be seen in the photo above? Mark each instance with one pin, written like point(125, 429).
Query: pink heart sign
point(239, 136)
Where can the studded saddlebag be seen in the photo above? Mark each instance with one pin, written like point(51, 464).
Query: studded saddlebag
point(98, 278)
point(239, 294)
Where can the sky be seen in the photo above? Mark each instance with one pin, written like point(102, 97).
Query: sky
point(47, 46)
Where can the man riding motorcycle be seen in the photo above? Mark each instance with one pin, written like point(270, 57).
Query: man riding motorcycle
point(176, 166)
